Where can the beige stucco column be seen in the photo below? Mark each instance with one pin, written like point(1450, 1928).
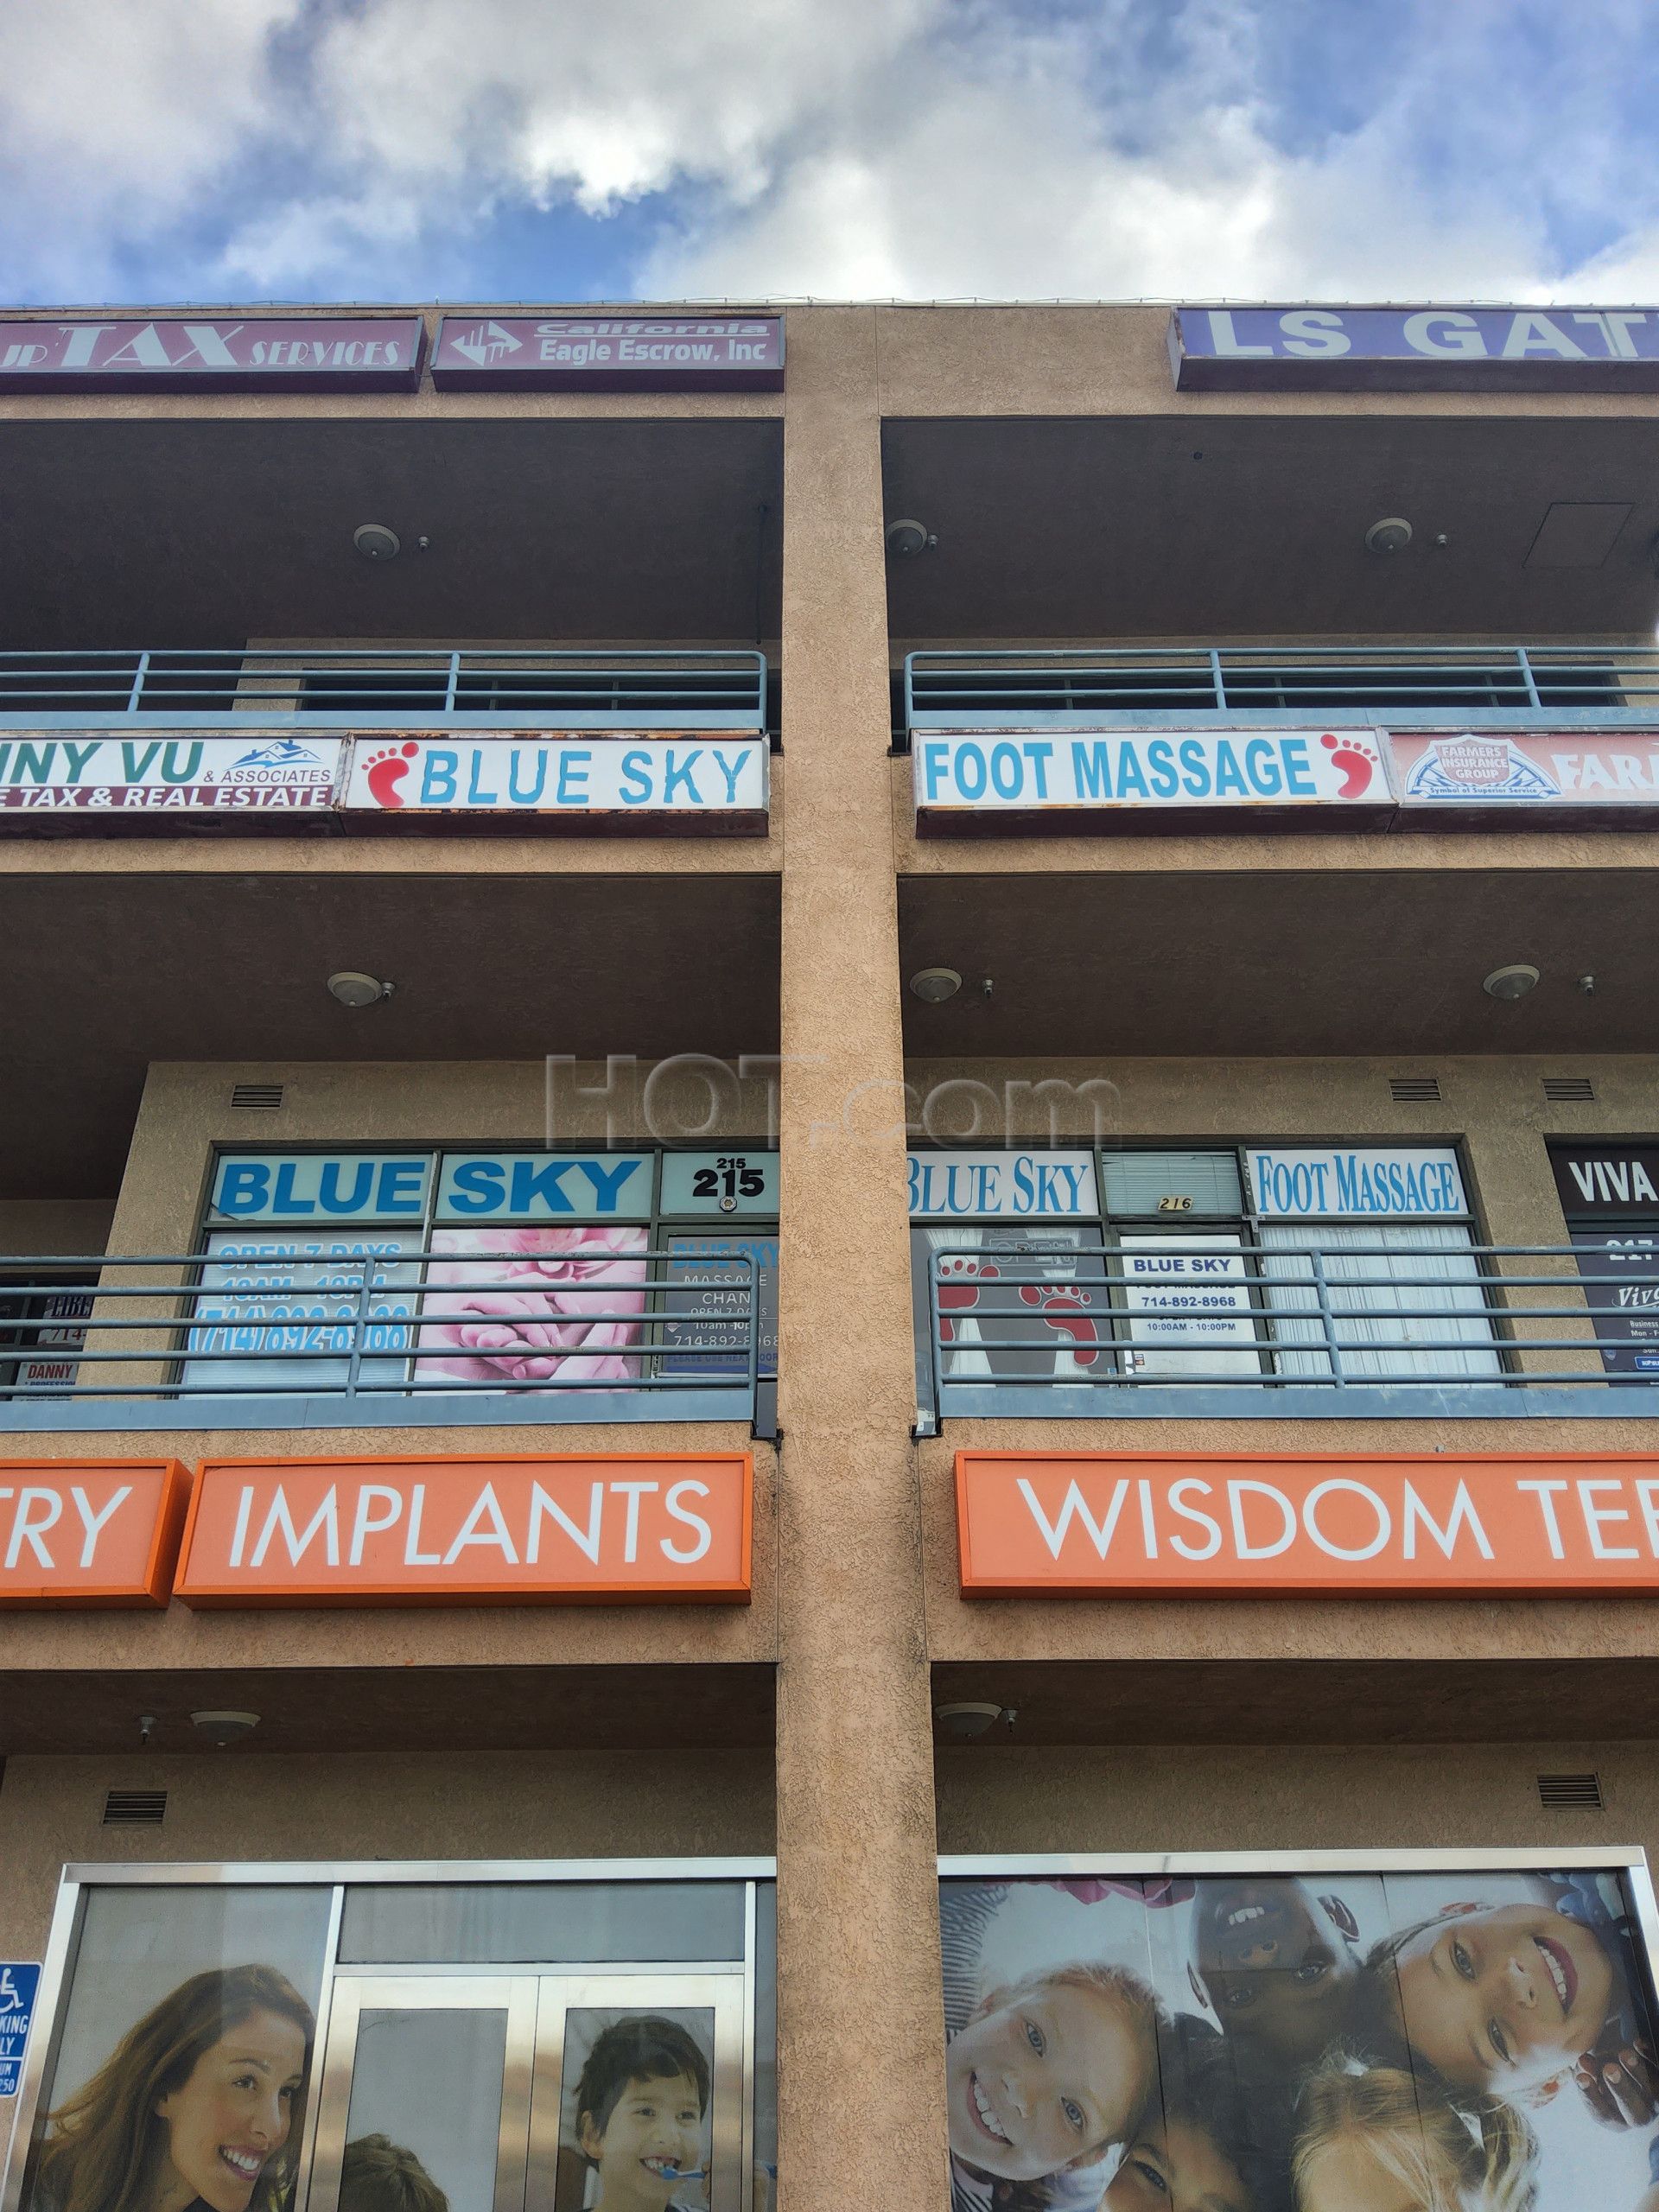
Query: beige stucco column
point(860, 2081)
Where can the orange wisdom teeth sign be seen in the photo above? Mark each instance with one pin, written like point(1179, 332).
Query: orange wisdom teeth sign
point(1100, 1524)
point(469, 1531)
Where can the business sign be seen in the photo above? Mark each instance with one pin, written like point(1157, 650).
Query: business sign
point(1185, 1524)
point(1610, 1194)
point(89, 1532)
point(263, 773)
point(719, 781)
point(1362, 1182)
point(988, 1186)
point(958, 773)
point(709, 1294)
point(1605, 1179)
point(545, 1187)
point(508, 352)
point(1516, 772)
point(20, 1984)
point(1415, 349)
point(289, 1188)
point(580, 1528)
point(251, 353)
point(1189, 1305)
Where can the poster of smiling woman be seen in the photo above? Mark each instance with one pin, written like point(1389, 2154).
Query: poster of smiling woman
point(1402, 2043)
point(183, 2068)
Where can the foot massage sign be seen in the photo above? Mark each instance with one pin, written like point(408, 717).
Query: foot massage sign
point(1183, 1524)
point(1075, 778)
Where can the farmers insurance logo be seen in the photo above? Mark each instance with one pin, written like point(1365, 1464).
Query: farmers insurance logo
point(1478, 767)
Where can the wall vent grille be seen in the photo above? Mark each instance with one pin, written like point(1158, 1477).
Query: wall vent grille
point(1415, 1090)
point(134, 1808)
point(1569, 1793)
point(1569, 1089)
point(261, 1098)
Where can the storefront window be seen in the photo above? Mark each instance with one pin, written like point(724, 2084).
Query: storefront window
point(483, 1270)
point(460, 2045)
point(1445, 2041)
point(1250, 1264)
point(1610, 1195)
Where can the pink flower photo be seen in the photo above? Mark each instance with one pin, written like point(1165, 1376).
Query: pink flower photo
point(516, 1305)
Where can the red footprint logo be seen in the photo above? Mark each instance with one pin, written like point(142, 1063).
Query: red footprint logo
point(1058, 1309)
point(959, 1291)
point(385, 772)
point(1355, 759)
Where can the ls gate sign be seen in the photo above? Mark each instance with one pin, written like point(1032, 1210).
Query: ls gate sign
point(1415, 349)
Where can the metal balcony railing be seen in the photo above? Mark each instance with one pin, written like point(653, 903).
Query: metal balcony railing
point(1196, 1328)
point(351, 686)
point(1407, 685)
point(207, 1341)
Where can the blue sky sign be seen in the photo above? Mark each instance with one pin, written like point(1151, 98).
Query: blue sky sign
point(324, 1190)
point(998, 1185)
point(1415, 349)
point(477, 1186)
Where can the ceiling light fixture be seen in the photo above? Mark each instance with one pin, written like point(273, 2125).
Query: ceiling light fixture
point(967, 1720)
point(375, 542)
point(223, 1728)
point(1513, 982)
point(934, 985)
point(907, 537)
point(352, 988)
point(1391, 535)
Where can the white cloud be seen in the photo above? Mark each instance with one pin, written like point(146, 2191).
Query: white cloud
point(114, 117)
point(926, 148)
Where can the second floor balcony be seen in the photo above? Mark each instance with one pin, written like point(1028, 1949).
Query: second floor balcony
point(1414, 735)
point(1350, 1328)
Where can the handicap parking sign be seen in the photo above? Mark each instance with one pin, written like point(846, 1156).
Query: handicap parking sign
point(18, 1985)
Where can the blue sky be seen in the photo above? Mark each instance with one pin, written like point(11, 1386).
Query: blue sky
point(539, 149)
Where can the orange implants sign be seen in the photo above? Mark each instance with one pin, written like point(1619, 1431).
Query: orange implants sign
point(591, 1529)
point(1176, 1523)
point(89, 1532)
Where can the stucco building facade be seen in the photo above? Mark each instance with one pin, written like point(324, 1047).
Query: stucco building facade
point(1237, 1013)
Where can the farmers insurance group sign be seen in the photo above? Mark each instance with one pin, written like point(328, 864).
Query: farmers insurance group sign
point(1408, 348)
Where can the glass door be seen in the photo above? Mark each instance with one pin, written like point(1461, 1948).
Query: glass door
point(530, 2091)
point(427, 2076)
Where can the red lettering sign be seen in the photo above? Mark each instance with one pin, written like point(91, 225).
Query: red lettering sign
point(580, 1528)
